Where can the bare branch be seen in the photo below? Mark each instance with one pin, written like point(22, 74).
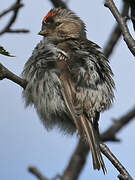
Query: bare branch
point(77, 162)
point(123, 172)
point(5, 73)
point(37, 173)
point(58, 3)
point(114, 37)
point(110, 133)
point(122, 24)
point(116, 33)
point(12, 8)
point(17, 31)
point(15, 8)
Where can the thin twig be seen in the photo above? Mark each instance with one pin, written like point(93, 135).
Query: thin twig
point(7, 28)
point(17, 31)
point(110, 133)
point(12, 8)
point(106, 151)
point(116, 33)
point(37, 173)
point(114, 37)
point(122, 24)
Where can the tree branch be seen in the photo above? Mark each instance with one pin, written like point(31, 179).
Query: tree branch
point(123, 172)
point(17, 31)
point(12, 8)
point(116, 33)
point(110, 133)
point(37, 173)
point(122, 24)
point(15, 8)
point(77, 162)
point(5, 73)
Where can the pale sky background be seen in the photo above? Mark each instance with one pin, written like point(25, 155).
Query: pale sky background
point(23, 139)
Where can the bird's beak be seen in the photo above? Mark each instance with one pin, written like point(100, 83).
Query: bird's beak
point(42, 33)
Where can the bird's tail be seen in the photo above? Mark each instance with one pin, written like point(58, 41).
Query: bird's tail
point(93, 142)
point(84, 126)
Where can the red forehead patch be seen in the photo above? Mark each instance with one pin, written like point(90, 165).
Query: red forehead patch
point(50, 14)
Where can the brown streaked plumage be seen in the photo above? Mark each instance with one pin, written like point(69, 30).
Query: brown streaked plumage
point(69, 79)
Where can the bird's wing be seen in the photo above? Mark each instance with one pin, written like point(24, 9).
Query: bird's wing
point(66, 92)
point(84, 126)
point(67, 87)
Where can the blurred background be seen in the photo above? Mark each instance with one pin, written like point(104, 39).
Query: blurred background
point(23, 139)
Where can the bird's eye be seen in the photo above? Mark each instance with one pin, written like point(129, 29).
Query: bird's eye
point(57, 23)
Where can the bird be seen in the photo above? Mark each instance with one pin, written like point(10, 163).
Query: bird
point(70, 81)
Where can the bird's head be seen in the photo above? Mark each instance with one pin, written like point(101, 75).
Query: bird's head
point(61, 24)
